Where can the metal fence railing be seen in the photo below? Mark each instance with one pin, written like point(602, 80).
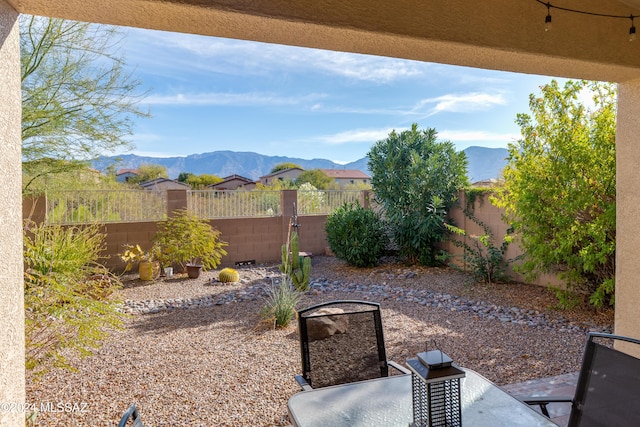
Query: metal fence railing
point(82, 207)
point(105, 206)
point(322, 202)
point(212, 204)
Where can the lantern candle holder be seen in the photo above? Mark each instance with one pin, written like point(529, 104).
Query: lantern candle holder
point(435, 382)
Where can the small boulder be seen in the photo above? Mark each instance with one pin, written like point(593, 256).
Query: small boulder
point(321, 325)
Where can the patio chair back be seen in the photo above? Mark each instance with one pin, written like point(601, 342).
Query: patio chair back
point(131, 414)
point(342, 342)
point(608, 389)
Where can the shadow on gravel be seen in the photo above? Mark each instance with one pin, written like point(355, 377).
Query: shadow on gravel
point(242, 316)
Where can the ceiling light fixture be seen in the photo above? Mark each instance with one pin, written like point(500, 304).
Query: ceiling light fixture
point(633, 3)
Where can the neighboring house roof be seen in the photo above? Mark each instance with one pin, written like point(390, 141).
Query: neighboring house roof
point(281, 172)
point(163, 183)
point(124, 171)
point(345, 174)
point(231, 183)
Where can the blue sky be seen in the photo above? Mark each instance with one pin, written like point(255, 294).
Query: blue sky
point(208, 94)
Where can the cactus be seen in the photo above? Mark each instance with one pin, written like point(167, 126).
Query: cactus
point(228, 275)
point(297, 267)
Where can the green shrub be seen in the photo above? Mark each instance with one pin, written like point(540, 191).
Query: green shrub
point(66, 294)
point(188, 239)
point(281, 303)
point(356, 235)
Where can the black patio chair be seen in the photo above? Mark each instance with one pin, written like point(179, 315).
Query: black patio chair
point(342, 342)
point(131, 414)
point(608, 388)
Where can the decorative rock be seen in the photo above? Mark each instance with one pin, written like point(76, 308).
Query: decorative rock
point(319, 328)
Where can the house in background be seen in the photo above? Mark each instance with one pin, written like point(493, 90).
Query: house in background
point(289, 174)
point(233, 182)
point(124, 175)
point(344, 177)
point(161, 184)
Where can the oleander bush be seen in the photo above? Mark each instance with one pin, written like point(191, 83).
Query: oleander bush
point(356, 235)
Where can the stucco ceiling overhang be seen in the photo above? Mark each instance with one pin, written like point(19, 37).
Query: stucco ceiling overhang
point(494, 34)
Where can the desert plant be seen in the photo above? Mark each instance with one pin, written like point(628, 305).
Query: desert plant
point(281, 301)
point(487, 260)
point(228, 275)
point(356, 235)
point(134, 254)
point(188, 239)
point(66, 294)
point(295, 266)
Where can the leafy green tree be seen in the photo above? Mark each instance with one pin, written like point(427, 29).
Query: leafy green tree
point(149, 172)
point(185, 176)
point(315, 177)
point(201, 181)
point(416, 179)
point(77, 100)
point(284, 166)
point(560, 187)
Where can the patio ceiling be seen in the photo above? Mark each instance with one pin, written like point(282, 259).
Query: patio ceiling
point(495, 34)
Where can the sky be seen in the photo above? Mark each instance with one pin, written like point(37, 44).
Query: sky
point(207, 94)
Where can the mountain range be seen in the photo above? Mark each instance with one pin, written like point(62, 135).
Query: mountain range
point(484, 163)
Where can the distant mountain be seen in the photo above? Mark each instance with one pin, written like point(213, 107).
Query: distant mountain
point(484, 163)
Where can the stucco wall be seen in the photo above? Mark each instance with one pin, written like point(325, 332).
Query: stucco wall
point(12, 370)
point(627, 320)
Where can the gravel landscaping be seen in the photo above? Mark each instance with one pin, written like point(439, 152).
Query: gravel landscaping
point(197, 353)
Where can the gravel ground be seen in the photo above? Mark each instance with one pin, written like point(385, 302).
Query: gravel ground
point(196, 352)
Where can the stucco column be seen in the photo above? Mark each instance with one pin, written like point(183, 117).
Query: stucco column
point(627, 316)
point(12, 371)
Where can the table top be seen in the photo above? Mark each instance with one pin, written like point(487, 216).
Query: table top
point(387, 402)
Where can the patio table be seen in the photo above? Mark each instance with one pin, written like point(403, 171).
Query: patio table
point(388, 402)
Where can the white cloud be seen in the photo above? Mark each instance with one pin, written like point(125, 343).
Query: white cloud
point(229, 99)
point(458, 103)
point(236, 57)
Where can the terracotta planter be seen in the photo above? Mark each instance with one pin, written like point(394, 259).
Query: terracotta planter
point(193, 271)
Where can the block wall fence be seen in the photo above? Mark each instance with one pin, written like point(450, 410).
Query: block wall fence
point(260, 239)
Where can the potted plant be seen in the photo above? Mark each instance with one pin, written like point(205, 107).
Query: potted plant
point(190, 242)
point(134, 254)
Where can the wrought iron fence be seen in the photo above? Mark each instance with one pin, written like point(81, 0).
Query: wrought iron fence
point(322, 202)
point(82, 207)
point(234, 203)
